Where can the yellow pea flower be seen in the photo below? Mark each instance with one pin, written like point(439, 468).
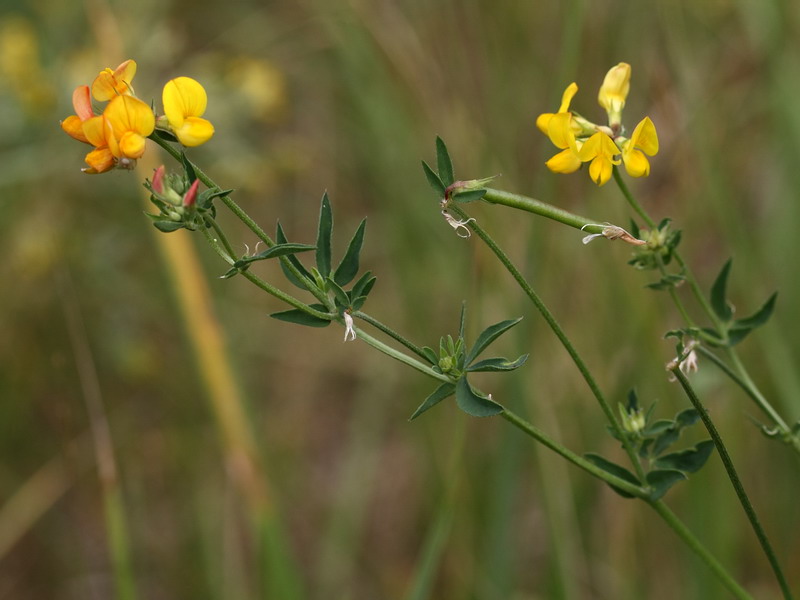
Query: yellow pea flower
point(560, 132)
point(109, 84)
point(184, 102)
point(543, 120)
point(131, 121)
point(643, 141)
point(614, 92)
point(601, 150)
point(99, 134)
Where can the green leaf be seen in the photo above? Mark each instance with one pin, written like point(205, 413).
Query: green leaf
point(489, 335)
point(689, 460)
point(658, 427)
point(168, 226)
point(165, 135)
point(669, 281)
point(661, 480)
point(687, 417)
point(274, 252)
point(462, 319)
point(444, 163)
point(430, 354)
point(498, 364)
point(741, 327)
point(341, 296)
point(719, 294)
point(358, 302)
point(188, 167)
point(439, 394)
point(665, 440)
point(634, 229)
point(614, 469)
point(348, 268)
point(324, 237)
point(280, 237)
point(230, 273)
point(433, 180)
point(205, 198)
point(474, 403)
point(363, 286)
point(469, 195)
point(300, 317)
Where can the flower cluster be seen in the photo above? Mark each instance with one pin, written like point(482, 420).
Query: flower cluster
point(118, 133)
point(602, 146)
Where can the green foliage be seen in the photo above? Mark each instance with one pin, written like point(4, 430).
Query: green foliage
point(324, 233)
point(658, 251)
point(444, 164)
point(300, 317)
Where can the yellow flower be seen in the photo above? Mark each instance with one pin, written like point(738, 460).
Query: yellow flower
point(543, 120)
point(614, 91)
point(601, 150)
point(184, 102)
point(560, 133)
point(643, 141)
point(131, 121)
point(109, 84)
point(99, 134)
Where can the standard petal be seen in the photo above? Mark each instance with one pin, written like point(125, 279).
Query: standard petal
point(560, 132)
point(567, 96)
point(82, 102)
point(645, 137)
point(126, 113)
point(183, 97)
point(195, 131)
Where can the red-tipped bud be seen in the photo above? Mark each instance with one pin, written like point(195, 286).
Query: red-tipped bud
point(158, 180)
point(191, 195)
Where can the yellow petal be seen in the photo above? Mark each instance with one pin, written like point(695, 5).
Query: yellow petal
point(600, 170)
point(131, 145)
point(126, 113)
point(565, 161)
point(109, 84)
point(599, 145)
point(94, 130)
point(560, 132)
point(73, 126)
point(542, 121)
point(183, 97)
point(636, 163)
point(645, 137)
point(195, 131)
point(99, 161)
point(567, 97)
point(614, 90)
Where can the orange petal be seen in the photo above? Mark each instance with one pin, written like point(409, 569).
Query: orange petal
point(99, 161)
point(73, 126)
point(82, 103)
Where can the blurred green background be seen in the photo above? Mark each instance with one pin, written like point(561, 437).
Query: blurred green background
point(348, 96)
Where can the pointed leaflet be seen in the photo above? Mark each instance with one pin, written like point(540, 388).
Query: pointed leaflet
point(741, 327)
point(614, 469)
point(469, 195)
point(661, 480)
point(324, 237)
point(348, 268)
point(341, 296)
point(433, 180)
point(280, 237)
point(300, 317)
point(689, 460)
point(474, 403)
point(719, 293)
point(430, 354)
point(188, 167)
point(274, 252)
point(363, 286)
point(489, 335)
point(498, 364)
point(439, 394)
point(443, 162)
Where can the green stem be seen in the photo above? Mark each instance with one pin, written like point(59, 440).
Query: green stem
point(270, 289)
point(391, 333)
point(734, 477)
point(578, 461)
point(542, 209)
point(221, 236)
point(690, 540)
point(739, 374)
point(561, 335)
point(403, 358)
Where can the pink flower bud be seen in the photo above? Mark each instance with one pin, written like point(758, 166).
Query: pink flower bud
point(191, 195)
point(158, 180)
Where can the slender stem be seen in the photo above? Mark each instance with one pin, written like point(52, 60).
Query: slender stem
point(238, 212)
point(542, 209)
point(403, 358)
point(578, 461)
point(690, 540)
point(562, 336)
point(734, 477)
point(739, 374)
point(221, 236)
point(391, 333)
point(270, 289)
